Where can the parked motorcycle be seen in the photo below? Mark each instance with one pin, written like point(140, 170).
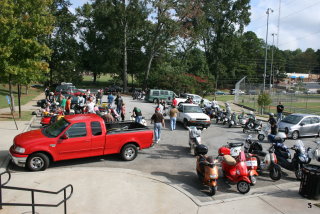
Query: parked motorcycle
point(234, 167)
point(206, 167)
point(295, 164)
point(236, 121)
point(194, 138)
point(314, 153)
point(263, 133)
point(266, 161)
point(252, 125)
point(221, 115)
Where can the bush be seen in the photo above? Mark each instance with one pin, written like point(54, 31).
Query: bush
point(264, 100)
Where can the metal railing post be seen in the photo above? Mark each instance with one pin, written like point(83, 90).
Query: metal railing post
point(0, 192)
point(32, 200)
point(65, 201)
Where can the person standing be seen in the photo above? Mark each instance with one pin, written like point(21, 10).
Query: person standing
point(68, 105)
point(158, 120)
point(137, 114)
point(90, 106)
point(173, 117)
point(280, 109)
point(47, 92)
point(174, 102)
point(110, 99)
point(63, 102)
point(123, 111)
point(118, 101)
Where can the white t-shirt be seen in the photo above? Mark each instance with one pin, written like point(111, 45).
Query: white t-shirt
point(90, 107)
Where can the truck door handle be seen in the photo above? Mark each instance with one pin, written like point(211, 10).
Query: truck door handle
point(87, 141)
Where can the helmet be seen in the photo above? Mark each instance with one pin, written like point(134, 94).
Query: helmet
point(157, 109)
point(251, 112)
point(280, 136)
point(227, 104)
point(201, 149)
point(271, 114)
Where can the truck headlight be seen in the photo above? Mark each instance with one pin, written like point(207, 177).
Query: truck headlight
point(19, 149)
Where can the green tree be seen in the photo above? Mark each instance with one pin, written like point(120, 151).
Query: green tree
point(24, 26)
point(264, 100)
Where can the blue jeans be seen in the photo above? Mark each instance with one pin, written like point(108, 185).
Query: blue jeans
point(279, 117)
point(173, 121)
point(157, 131)
point(138, 119)
point(271, 138)
point(119, 109)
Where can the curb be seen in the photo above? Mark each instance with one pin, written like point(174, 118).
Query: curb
point(5, 163)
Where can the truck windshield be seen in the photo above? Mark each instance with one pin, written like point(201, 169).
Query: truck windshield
point(55, 129)
point(192, 109)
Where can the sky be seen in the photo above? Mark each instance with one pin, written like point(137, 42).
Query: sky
point(299, 25)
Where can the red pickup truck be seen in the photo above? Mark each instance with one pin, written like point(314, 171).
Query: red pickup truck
point(79, 136)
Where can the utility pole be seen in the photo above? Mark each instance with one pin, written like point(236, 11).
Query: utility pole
point(269, 10)
point(278, 26)
point(271, 70)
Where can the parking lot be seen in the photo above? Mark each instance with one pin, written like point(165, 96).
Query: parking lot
point(171, 158)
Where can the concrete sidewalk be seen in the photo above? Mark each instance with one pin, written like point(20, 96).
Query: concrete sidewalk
point(110, 190)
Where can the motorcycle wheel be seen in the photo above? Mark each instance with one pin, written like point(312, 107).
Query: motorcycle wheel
point(217, 120)
point(244, 130)
point(243, 187)
point(275, 172)
point(212, 190)
point(224, 123)
point(260, 137)
point(298, 173)
point(230, 125)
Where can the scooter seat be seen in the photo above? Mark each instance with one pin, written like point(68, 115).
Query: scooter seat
point(259, 153)
point(235, 144)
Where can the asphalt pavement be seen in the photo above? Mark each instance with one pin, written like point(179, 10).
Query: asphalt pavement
point(160, 180)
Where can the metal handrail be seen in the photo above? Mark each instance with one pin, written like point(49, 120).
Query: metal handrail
point(33, 204)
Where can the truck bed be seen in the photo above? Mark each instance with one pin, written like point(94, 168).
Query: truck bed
point(126, 126)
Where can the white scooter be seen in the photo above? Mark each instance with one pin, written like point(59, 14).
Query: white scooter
point(263, 133)
point(194, 138)
point(315, 152)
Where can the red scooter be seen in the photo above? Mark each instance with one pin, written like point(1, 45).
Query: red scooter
point(234, 167)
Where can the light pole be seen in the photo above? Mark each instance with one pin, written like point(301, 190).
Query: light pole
point(271, 70)
point(269, 10)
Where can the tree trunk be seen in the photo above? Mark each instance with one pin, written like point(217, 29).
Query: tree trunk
point(51, 76)
point(27, 89)
point(125, 57)
point(11, 94)
point(94, 77)
point(148, 70)
point(19, 99)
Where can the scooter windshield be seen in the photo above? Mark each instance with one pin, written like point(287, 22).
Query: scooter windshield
point(299, 144)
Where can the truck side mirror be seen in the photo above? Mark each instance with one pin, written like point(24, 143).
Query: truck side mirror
point(64, 136)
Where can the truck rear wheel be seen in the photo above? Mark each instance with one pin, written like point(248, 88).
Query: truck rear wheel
point(37, 162)
point(129, 152)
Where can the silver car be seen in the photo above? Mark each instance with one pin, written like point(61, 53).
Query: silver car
point(300, 125)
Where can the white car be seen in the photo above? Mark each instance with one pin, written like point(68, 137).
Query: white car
point(192, 115)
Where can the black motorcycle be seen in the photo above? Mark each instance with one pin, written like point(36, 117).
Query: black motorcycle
point(252, 125)
point(295, 164)
point(221, 115)
point(266, 160)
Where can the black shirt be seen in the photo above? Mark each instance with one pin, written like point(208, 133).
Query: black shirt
point(280, 108)
point(274, 129)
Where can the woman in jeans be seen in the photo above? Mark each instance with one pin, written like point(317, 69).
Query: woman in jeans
point(158, 120)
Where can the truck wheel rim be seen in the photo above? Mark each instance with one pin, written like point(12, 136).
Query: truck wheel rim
point(37, 163)
point(129, 152)
point(243, 187)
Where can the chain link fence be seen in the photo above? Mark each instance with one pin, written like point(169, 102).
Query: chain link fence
point(247, 94)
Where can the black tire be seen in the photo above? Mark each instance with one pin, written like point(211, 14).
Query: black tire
point(212, 190)
point(37, 162)
point(129, 152)
point(224, 123)
point(275, 172)
point(244, 130)
point(155, 100)
point(230, 125)
point(185, 124)
point(243, 187)
point(260, 137)
point(295, 135)
point(217, 120)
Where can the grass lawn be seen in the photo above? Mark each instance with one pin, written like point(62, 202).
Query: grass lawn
point(25, 98)
point(25, 116)
point(222, 98)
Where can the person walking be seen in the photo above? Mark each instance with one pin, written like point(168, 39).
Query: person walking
point(158, 120)
point(47, 92)
point(137, 114)
point(123, 111)
point(63, 103)
point(110, 99)
point(173, 117)
point(174, 102)
point(280, 109)
point(68, 105)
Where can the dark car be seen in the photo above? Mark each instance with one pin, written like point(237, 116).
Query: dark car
point(112, 89)
point(42, 102)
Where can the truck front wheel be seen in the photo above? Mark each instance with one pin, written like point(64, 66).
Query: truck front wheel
point(37, 162)
point(129, 152)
